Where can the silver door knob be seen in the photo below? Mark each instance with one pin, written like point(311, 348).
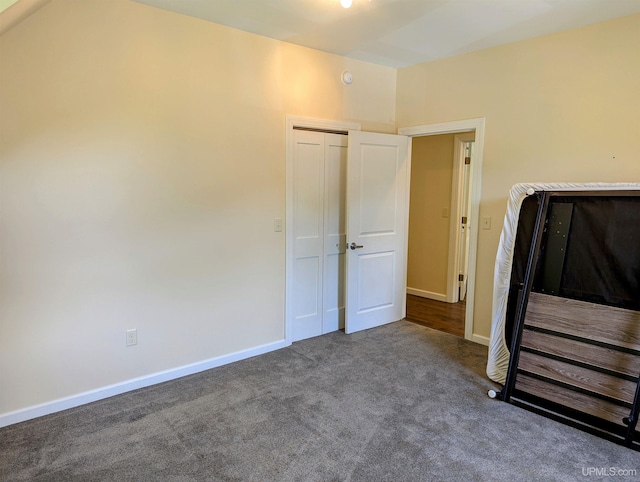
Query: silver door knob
point(355, 246)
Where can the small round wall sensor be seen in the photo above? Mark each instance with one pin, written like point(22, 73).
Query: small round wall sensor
point(347, 78)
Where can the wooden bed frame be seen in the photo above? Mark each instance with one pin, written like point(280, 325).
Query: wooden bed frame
point(572, 360)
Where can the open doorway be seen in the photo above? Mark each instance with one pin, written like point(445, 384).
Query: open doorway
point(441, 287)
point(438, 227)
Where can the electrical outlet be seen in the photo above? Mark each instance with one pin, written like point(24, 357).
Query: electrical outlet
point(131, 337)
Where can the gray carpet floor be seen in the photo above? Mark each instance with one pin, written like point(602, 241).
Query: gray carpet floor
point(400, 403)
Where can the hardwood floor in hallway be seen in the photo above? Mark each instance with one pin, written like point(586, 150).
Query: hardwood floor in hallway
point(447, 317)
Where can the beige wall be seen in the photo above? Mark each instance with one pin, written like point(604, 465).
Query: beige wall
point(562, 107)
point(142, 160)
point(142, 163)
point(431, 174)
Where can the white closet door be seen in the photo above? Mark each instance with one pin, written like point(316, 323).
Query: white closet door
point(377, 204)
point(334, 228)
point(308, 229)
point(356, 184)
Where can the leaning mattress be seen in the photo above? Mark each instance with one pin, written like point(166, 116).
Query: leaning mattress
point(498, 359)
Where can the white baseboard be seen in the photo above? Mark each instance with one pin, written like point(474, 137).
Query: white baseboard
point(483, 340)
point(109, 391)
point(427, 294)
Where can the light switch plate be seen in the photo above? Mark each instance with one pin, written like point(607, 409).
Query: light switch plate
point(131, 337)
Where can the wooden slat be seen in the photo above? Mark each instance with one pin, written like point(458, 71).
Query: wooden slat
point(584, 378)
point(578, 401)
point(601, 323)
point(613, 360)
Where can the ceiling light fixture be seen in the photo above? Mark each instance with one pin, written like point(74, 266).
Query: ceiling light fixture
point(346, 3)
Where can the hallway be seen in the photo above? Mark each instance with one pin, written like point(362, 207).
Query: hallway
point(447, 317)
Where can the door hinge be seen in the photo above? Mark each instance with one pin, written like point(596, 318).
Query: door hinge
point(467, 160)
point(464, 220)
point(460, 277)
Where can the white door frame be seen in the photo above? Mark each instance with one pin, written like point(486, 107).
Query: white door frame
point(477, 125)
point(309, 123)
point(463, 253)
point(455, 238)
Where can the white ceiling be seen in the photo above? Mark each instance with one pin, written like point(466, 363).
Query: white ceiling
point(399, 33)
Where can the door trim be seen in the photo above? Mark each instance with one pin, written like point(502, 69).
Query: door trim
point(477, 125)
point(457, 187)
point(308, 123)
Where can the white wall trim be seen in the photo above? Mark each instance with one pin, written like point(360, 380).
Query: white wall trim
point(441, 128)
point(313, 123)
point(477, 125)
point(310, 123)
point(109, 391)
point(406, 225)
point(427, 294)
point(482, 340)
